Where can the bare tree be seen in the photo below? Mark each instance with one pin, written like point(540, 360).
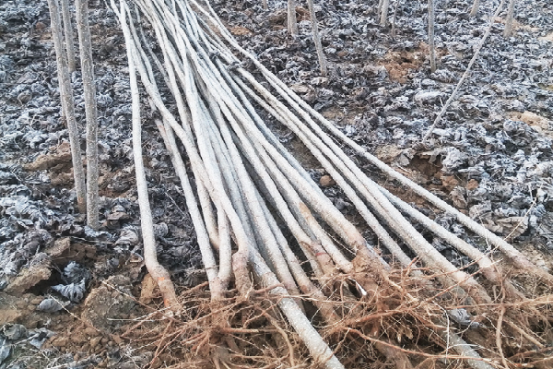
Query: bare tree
point(474, 8)
point(509, 29)
point(393, 27)
point(317, 40)
point(431, 32)
point(384, 12)
point(68, 104)
point(87, 70)
point(68, 31)
point(292, 27)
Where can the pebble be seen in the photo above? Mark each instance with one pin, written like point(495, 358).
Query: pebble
point(94, 341)
point(326, 181)
point(472, 184)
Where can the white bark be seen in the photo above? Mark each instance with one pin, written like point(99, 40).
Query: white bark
point(431, 34)
point(292, 25)
point(384, 13)
point(68, 31)
point(474, 8)
point(157, 271)
point(87, 71)
point(509, 29)
point(68, 105)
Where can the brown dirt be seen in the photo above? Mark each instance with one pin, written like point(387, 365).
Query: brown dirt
point(240, 31)
point(57, 163)
point(538, 123)
point(28, 278)
point(399, 64)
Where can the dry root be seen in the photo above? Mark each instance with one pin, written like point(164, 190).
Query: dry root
point(398, 326)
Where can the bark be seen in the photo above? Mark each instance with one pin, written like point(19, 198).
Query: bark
point(292, 26)
point(384, 13)
point(509, 29)
point(431, 32)
point(87, 70)
point(68, 30)
point(474, 8)
point(68, 104)
point(317, 40)
point(158, 272)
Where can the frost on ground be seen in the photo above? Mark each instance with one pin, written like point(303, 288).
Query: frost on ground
point(490, 157)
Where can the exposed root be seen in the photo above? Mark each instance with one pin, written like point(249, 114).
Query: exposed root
point(395, 328)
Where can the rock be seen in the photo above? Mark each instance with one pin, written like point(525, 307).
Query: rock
point(327, 181)
point(28, 278)
point(104, 306)
point(94, 341)
point(428, 97)
point(472, 184)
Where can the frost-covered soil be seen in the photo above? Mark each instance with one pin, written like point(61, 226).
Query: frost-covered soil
point(491, 156)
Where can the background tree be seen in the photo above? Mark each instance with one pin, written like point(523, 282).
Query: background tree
point(474, 8)
point(68, 104)
point(317, 40)
point(384, 9)
point(509, 29)
point(87, 70)
point(431, 32)
point(68, 31)
point(292, 27)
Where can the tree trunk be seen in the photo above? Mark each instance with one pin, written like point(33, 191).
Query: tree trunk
point(292, 27)
point(474, 8)
point(431, 10)
point(87, 70)
point(508, 30)
point(317, 40)
point(384, 13)
point(68, 105)
point(68, 31)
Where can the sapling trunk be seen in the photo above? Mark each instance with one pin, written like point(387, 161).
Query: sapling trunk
point(317, 40)
point(68, 105)
point(292, 25)
point(509, 29)
point(157, 271)
point(384, 13)
point(87, 71)
point(68, 31)
point(474, 8)
point(431, 34)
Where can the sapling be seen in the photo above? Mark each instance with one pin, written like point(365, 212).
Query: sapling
point(317, 40)
point(87, 70)
point(68, 31)
point(68, 104)
point(474, 8)
point(509, 29)
point(292, 25)
point(384, 13)
point(431, 35)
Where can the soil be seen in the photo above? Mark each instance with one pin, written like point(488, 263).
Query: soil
point(491, 157)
